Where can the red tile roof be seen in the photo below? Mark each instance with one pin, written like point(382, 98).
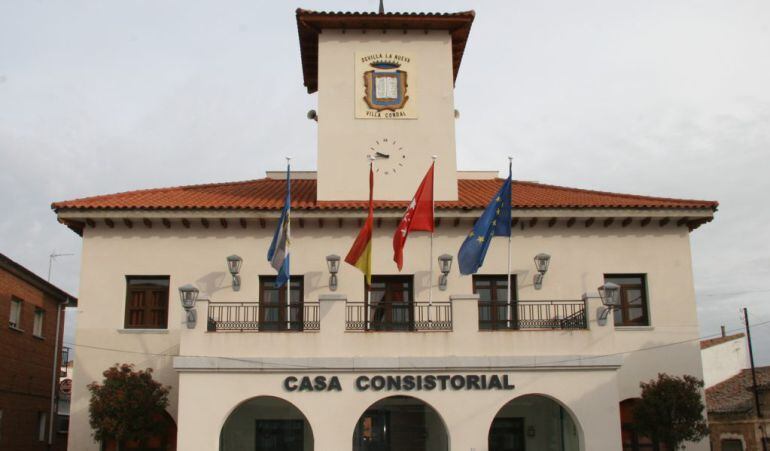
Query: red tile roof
point(735, 395)
point(705, 344)
point(310, 24)
point(267, 194)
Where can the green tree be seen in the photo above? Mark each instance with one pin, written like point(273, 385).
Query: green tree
point(671, 411)
point(127, 405)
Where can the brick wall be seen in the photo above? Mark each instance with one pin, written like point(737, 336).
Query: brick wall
point(25, 379)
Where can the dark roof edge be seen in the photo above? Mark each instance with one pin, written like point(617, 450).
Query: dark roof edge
point(37, 281)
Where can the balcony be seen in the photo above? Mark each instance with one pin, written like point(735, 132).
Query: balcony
point(532, 315)
point(398, 317)
point(261, 317)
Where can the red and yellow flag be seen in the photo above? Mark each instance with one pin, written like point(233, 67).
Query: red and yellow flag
point(360, 254)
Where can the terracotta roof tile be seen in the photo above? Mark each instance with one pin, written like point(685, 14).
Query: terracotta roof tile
point(734, 395)
point(267, 194)
point(705, 344)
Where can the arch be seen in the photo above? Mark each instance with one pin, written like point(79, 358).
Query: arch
point(393, 420)
point(535, 421)
point(632, 440)
point(273, 422)
point(164, 442)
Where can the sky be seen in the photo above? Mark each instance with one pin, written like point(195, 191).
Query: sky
point(656, 97)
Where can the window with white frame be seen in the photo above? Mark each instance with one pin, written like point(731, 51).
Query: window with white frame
point(37, 328)
point(15, 319)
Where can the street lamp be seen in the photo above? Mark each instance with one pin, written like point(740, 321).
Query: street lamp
point(234, 263)
point(188, 294)
point(445, 265)
point(541, 264)
point(333, 263)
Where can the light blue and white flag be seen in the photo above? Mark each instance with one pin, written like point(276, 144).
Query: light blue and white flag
point(278, 254)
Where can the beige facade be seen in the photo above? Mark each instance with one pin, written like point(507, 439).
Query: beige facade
point(564, 380)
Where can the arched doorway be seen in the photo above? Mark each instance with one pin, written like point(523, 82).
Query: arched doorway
point(266, 423)
point(159, 442)
point(400, 423)
point(632, 441)
point(533, 423)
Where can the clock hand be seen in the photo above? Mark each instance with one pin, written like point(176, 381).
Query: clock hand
point(382, 155)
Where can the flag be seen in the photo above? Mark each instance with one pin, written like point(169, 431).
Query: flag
point(360, 254)
point(495, 221)
point(278, 254)
point(418, 216)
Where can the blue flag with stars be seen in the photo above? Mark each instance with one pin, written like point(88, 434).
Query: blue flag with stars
point(495, 221)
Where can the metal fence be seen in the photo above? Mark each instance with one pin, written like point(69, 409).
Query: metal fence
point(256, 316)
point(532, 315)
point(398, 316)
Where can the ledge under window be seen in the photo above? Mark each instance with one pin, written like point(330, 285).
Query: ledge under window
point(12, 327)
point(142, 331)
point(637, 328)
point(39, 337)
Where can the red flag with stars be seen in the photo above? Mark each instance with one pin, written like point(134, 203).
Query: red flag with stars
point(418, 216)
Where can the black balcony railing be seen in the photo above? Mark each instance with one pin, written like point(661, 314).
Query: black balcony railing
point(391, 316)
point(256, 316)
point(532, 315)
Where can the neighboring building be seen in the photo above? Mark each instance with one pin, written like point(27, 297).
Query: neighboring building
point(732, 413)
point(400, 364)
point(723, 357)
point(29, 306)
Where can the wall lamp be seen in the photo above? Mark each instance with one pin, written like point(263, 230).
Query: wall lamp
point(444, 265)
point(609, 293)
point(541, 264)
point(234, 263)
point(188, 294)
point(333, 263)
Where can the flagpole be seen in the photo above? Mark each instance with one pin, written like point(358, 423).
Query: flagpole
point(288, 243)
point(510, 234)
point(368, 284)
point(433, 226)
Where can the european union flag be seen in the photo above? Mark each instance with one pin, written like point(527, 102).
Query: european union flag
point(495, 221)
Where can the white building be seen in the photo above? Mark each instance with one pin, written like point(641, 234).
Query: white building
point(470, 371)
point(723, 357)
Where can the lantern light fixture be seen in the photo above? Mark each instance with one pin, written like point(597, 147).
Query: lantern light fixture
point(333, 264)
point(445, 265)
point(610, 296)
point(188, 295)
point(542, 261)
point(234, 263)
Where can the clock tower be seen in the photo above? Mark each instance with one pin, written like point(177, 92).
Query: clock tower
point(385, 87)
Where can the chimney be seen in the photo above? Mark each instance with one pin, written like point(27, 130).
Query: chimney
point(723, 330)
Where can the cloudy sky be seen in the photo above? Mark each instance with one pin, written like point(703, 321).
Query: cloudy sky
point(659, 97)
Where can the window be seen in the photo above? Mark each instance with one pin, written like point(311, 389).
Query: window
point(633, 299)
point(42, 418)
point(494, 311)
point(632, 441)
point(15, 319)
point(146, 302)
point(732, 444)
point(391, 303)
point(274, 312)
point(37, 328)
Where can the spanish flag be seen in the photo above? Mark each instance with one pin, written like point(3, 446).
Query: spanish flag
point(360, 255)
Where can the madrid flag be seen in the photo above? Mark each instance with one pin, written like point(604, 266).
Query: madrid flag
point(418, 216)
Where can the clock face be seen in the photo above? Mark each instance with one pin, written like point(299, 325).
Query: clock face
point(390, 156)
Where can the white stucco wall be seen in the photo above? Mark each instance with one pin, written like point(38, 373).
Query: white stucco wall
point(344, 141)
point(723, 361)
point(580, 257)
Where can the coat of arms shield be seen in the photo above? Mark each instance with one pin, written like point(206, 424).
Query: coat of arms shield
point(385, 89)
